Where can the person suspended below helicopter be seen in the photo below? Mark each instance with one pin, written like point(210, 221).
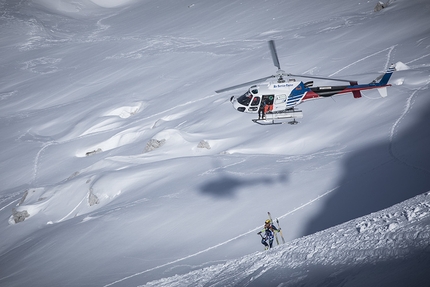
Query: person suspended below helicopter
point(262, 110)
point(265, 107)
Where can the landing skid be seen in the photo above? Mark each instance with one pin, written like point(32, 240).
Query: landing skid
point(266, 122)
point(273, 122)
point(280, 118)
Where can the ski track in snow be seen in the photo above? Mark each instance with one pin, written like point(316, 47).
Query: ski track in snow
point(86, 195)
point(210, 171)
point(417, 59)
point(387, 63)
point(37, 159)
point(220, 244)
point(9, 204)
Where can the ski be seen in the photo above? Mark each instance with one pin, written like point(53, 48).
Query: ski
point(280, 231)
point(271, 222)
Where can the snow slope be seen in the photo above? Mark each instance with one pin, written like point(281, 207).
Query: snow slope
point(126, 167)
point(386, 248)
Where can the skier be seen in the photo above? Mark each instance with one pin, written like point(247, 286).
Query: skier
point(269, 234)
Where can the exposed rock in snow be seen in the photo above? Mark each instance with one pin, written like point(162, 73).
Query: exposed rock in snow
point(380, 5)
point(92, 198)
point(204, 144)
point(154, 144)
point(19, 216)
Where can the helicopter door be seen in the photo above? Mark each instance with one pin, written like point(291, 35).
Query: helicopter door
point(253, 107)
point(280, 101)
point(269, 99)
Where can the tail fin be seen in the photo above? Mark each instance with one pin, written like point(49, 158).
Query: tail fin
point(383, 79)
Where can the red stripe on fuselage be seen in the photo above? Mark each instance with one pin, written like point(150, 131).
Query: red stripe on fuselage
point(310, 95)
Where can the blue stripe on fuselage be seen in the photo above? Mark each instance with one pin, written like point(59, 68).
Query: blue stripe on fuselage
point(296, 95)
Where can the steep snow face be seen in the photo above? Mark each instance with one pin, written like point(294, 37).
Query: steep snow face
point(386, 248)
point(120, 165)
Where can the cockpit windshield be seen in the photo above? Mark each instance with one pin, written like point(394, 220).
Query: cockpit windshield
point(245, 99)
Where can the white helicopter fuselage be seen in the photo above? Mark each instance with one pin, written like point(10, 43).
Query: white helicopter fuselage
point(278, 96)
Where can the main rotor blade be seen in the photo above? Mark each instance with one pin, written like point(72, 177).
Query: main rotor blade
point(244, 84)
point(320, 78)
point(274, 54)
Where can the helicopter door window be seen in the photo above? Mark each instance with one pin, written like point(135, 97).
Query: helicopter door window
point(254, 104)
point(279, 99)
point(255, 101)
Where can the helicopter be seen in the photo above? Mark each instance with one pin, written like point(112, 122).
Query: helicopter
point(275, 99)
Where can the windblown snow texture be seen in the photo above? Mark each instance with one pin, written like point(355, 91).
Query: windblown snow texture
point(121, 166)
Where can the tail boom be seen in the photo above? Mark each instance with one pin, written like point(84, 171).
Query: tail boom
point(354, 88)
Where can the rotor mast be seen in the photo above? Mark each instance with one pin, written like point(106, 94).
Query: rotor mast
point(275, 59)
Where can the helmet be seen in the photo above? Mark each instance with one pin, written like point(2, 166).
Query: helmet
point(267, 221)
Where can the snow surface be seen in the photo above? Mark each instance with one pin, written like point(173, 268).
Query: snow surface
point(120, 166)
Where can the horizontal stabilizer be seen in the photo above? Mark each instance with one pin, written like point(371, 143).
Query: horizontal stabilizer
point(383, 92)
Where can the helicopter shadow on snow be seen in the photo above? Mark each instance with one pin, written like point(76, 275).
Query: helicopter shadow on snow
point(380, 176)
point(226, 186)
